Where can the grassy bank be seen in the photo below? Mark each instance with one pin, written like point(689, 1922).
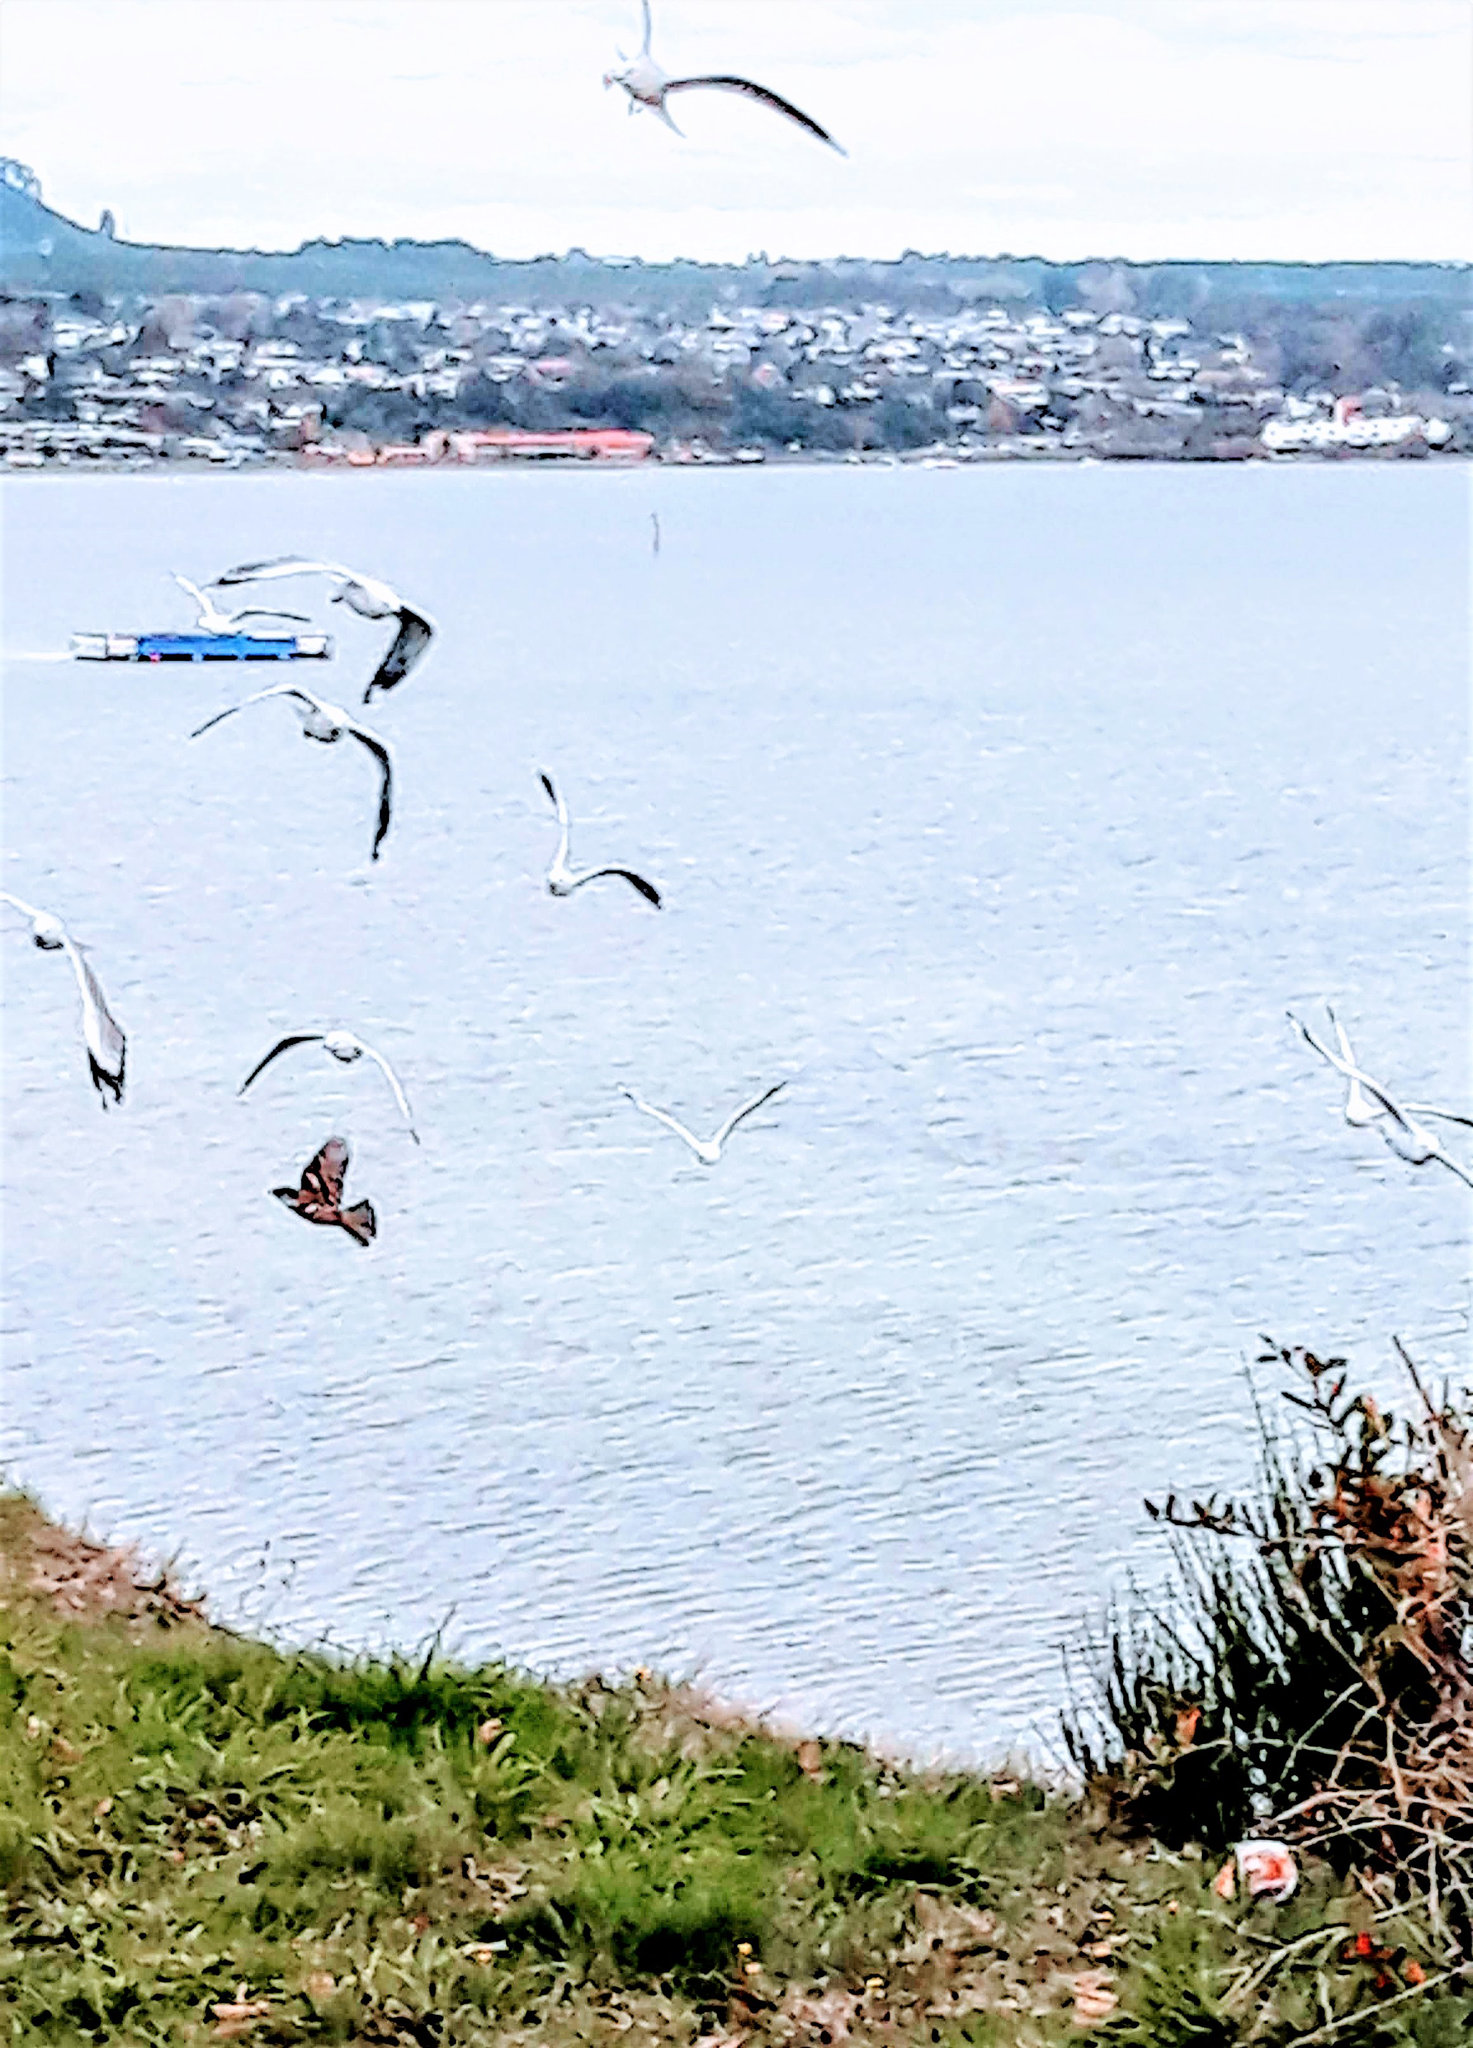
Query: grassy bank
point(202, 1838)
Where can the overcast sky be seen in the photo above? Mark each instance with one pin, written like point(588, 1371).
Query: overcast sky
point(1066, 128)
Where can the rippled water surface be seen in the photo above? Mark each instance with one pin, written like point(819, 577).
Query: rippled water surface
point(1002, 811)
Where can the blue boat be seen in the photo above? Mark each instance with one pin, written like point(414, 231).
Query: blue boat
point(201, 646)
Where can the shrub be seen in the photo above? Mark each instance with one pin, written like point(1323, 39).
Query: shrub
point(1310, 1674)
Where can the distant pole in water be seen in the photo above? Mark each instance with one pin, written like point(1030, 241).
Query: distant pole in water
point(655, 530)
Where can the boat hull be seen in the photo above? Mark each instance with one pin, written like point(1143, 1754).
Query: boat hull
point(201, 646)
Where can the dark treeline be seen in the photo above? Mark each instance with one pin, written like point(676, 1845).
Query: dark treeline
point(41, 250)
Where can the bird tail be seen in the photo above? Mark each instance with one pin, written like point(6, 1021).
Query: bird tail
point(360, 1222)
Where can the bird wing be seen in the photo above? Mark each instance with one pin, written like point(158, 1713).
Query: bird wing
point(107, 1048)
point(1357, 1109)
point(257, 697)
point(379, 749)
point(1448, 1116)
point(644, 48)
point(325, 1173)
point(721, 82)
point(194, 591)
point(1341, 1065)
point(1346, 1052)
point(555, 800)
point(413, 637)
point(663, 1116)
point(393, 1080)
point(646, 889)
point(562, 817)
point(282, 1045)
point(1452, 1165)
point(746, 1110)
point(26, 909)
point(256, 611)
point(279, 565)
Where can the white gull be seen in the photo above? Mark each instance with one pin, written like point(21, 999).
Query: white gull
point(707, 1150)
point(106, 1046)
point(649, 86)
point(344, 1047)
point(367, 595)
point(1369, 1106)
point(326, 723)
point(563, 880)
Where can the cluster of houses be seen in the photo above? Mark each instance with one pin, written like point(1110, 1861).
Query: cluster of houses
point(244, 379)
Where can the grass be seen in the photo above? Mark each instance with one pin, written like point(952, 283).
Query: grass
point(202, 1838)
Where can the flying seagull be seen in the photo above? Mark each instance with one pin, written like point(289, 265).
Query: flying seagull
point(366, 595)
point(648, 86)
point(1362, 1109)
point(107, 1048)
point(344, 1047)
point(655, 532)
point(326, 723)
point(1368, 1104)
point(319, 1199)
point(563, 880)
point(212, 620)
point(707, 1150)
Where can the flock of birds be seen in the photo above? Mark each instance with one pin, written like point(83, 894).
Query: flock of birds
point(318, 1198)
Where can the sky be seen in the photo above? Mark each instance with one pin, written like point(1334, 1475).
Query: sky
point(1281, 129)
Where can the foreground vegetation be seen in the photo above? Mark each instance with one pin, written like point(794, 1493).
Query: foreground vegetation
point(202, 1838)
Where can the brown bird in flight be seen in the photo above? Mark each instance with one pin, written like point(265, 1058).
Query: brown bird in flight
point(320, 1197)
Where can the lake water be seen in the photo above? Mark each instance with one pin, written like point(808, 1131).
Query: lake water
point(1003, 811)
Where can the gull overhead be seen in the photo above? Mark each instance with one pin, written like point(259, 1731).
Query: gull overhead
point(212, 620)
point(107, 1049)
point(345, 1048)
point(563, 880)
point(1368, 1104)
point(649, 86)
point(326, 723)
point(366, 595)
point(707, 1150)
point(319, 1199)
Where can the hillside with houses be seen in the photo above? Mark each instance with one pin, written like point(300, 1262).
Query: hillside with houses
point(934, 359)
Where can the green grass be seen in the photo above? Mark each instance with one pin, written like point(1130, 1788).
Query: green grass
point(379, 1853)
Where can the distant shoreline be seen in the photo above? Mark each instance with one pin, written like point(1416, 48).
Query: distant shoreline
point(164, 466)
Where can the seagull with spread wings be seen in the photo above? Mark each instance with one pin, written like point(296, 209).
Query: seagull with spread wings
point(212, 620)
point(319, 1199)
point(326, 723)
point(345, 1048)
point(649, 86)
point(1367, 1105)
point(563, 880)
point(107, 1049)
point(366, 595)
point(707, 1150)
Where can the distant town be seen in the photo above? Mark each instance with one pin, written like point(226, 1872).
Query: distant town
point(783, 362)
